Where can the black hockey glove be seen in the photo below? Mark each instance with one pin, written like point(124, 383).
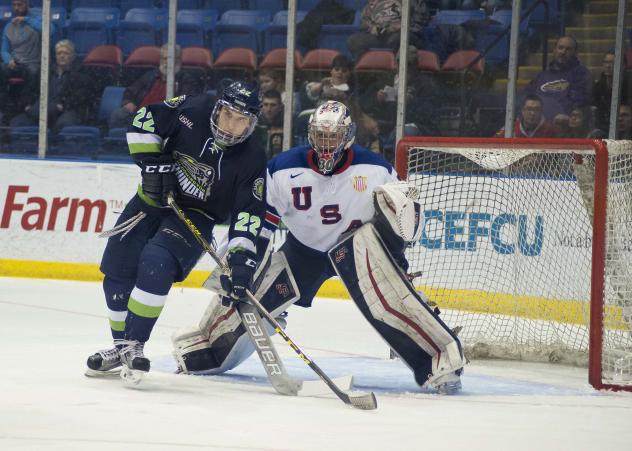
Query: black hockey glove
point(159, 178)
point(242, 265)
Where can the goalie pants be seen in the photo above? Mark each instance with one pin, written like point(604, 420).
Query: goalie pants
point(141, 267)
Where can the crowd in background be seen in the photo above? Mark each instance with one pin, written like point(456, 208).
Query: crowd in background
point(563, 100)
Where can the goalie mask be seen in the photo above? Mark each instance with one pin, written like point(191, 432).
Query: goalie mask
point(330, 132)
point(235, 115)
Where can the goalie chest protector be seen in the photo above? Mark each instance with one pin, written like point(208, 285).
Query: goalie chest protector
point(390, 303)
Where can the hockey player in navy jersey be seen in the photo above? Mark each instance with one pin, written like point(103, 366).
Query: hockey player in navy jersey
point(346, 214)
point(200, 151)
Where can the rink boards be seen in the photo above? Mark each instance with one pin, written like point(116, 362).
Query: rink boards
point(52, 212)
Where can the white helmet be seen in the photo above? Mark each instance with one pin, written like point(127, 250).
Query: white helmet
point(330, 131)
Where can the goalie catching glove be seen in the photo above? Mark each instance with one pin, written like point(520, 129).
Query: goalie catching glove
point(396, 207)
point(158, 178)
point(242, 265)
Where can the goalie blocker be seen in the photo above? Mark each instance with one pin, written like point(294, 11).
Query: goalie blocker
point(390, 303)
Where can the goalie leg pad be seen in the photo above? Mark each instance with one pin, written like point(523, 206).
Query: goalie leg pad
point(393, 307)
point(219, 343)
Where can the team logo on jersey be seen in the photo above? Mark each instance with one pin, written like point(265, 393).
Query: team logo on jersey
point(195, 178)
point(360, 183)
point(340, 254)
point(175, 102)
point(282, 289)
point(257, 188)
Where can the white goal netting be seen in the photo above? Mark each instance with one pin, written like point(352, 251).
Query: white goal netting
point(507, 247)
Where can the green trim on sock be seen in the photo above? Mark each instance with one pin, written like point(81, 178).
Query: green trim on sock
point(146, 311)
point(117, 326)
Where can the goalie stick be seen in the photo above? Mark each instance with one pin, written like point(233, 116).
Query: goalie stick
point(365, 401)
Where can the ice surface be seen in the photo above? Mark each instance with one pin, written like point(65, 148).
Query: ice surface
point(50, 327)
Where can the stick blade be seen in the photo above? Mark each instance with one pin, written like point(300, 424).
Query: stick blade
point(364, 401)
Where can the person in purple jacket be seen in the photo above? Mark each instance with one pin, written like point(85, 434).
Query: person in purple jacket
point(565, 84)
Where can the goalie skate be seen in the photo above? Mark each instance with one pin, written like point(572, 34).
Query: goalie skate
point(446, 384)
point(104, 363)
point(135, 364)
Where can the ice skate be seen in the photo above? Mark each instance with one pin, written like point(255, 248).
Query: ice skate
point(447, 384)
point(104, 363)
point(135, 364)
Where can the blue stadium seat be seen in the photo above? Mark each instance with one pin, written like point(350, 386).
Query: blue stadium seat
point(110, 100)
point(275, 36)
point(238, 28)
point(94, 4)
point(537, 16)
point(114, 146)
point(23, 140)
point(499, 53)
point(76, 142)
point(306, 5)
point(335, 36)
point(53, 3)
point(267, 5)
point(141, 27)
point(357, 5)
point(90, 27)
point(126, 5)
point(188, 4)
point(194, 27)
point(221, 5)
point(457, 16)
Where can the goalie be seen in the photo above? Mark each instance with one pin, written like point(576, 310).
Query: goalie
point(347, 215)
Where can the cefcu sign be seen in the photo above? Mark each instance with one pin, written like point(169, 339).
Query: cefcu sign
point(507, 233)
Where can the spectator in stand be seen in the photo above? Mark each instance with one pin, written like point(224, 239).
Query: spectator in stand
point(69, 93)
point(21, 45)
point(381, 22)
point(489, 6)
point(602, 90)
point(624, 122)
point(422, 101)
point(270, 79)
point(152, 88)
point(565, 83)
point(531, 122)
point(579, 125)
point(270, 120)
point(337, 85)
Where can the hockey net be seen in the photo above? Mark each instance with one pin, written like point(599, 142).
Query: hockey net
point(527, 244)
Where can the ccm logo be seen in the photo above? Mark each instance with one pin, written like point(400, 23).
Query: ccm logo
point(158, 168)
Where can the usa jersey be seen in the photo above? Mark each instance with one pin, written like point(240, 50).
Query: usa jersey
point(317, 209)
point(219, 183)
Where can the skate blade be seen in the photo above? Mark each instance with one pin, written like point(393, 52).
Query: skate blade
point(109, 374)
point(132, 377)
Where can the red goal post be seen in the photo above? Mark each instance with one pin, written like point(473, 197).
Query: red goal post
point(527, 244)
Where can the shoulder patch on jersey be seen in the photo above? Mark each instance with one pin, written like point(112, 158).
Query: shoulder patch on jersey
point(257, 189)
point(175, 102)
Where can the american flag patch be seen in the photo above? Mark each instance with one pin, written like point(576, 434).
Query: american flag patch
point(359, 183)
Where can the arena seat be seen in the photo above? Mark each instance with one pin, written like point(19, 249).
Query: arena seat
point(275, 59)
point(103, 64)
point(428, 61)
point(376, 61)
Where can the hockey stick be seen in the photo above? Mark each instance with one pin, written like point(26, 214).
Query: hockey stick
point(365, 401)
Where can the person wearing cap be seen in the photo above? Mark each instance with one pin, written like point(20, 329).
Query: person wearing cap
point(69, 93)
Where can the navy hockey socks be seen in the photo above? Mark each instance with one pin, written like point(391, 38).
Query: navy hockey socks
point(157, 270)
point(117, 293)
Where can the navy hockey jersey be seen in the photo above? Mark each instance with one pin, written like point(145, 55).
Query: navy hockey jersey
point(221, 183)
